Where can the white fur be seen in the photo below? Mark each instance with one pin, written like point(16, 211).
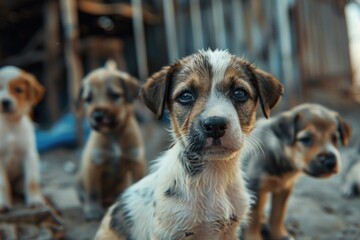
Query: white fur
point(205, 200)
point(18, 154)
point(9, 72)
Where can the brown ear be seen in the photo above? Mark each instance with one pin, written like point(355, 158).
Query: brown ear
point(285, 127)
point(156, 90)
point(344, 130)
point(36, 91)
point(268, 88)
point(131, 88)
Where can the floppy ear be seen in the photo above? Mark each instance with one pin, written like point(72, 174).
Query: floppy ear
point(285, 127)
point(344, 130)
point(156, 90)
point(131, 88)
point(36, 90)
point(268, 88)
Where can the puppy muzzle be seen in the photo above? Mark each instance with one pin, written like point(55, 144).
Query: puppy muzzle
point(102, 119)
point(324, 165)
point(7, 106)
point(211, 138)
point(214, 127)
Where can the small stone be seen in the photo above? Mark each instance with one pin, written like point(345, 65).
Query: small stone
point(70, 167)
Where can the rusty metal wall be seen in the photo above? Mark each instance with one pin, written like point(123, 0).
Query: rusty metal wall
point(322, 42)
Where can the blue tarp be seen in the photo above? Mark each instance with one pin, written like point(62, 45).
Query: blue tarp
point(63, 133)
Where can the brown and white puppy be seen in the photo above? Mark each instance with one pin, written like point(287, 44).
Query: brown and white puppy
point(115, 150)
point(351, 176)
point(302, 140)
point(196, 189)
point(19, 159)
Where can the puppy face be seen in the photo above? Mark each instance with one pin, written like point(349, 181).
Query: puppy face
point(19, 91)
point(312, 134)
point(212, 98)
point(107, 94)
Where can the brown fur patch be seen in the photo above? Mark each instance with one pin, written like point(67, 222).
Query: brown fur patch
point(18, 89)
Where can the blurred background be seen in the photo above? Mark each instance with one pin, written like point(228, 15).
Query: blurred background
point(311, 46)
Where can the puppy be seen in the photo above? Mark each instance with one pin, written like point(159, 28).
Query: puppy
point(19, 159)
point(115, 149)
point(302, 140)
point(196, 189)
point(351, 176)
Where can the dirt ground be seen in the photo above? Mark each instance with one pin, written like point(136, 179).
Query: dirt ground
point(316, 209)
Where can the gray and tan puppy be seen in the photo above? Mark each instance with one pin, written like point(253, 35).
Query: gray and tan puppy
point(351, 176)
point(114, 151)
point(302, 140)
point(196, 189)
point(19, 159)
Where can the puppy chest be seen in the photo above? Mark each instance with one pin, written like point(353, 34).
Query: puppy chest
point(109, 156)
point(11, 147)
point(12, 159)
point(197, 215)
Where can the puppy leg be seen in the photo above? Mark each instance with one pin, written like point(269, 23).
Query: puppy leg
point(137, 169)
point(5, 191)
point(351, 185)
point(33, 195)
point(253, 230)
point(134, 162)
point(91, 185)
point(277, 217)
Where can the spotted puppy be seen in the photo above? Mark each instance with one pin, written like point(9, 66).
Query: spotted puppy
point(302, 140)
point(196, 189)
point(115, 149)
point(19, 159)
point(351, 176)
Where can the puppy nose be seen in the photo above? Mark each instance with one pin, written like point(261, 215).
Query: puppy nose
point(6, 104)
point(214, 127)
point(328, 160)
point(98, 115)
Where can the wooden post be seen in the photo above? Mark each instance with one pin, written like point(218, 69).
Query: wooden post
point(72, 59)
point(51, 64)
point(219, 24)
point(283, 26)
point(196, 25)
point(170, 30)
point(138, 26)
point(238, 23)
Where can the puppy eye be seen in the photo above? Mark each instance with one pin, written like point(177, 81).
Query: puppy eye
point(186, 97)
point(306, 140)
point(114, 96)
point(19, 90)
point(88, 99)
point(240, 95)
point(334, 139)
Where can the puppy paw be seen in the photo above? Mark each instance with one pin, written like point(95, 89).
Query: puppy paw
point(349, 190)
point(252, 237)
point(287, 238)
point(35, 201)
point(4, 208)
point(93, 213)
